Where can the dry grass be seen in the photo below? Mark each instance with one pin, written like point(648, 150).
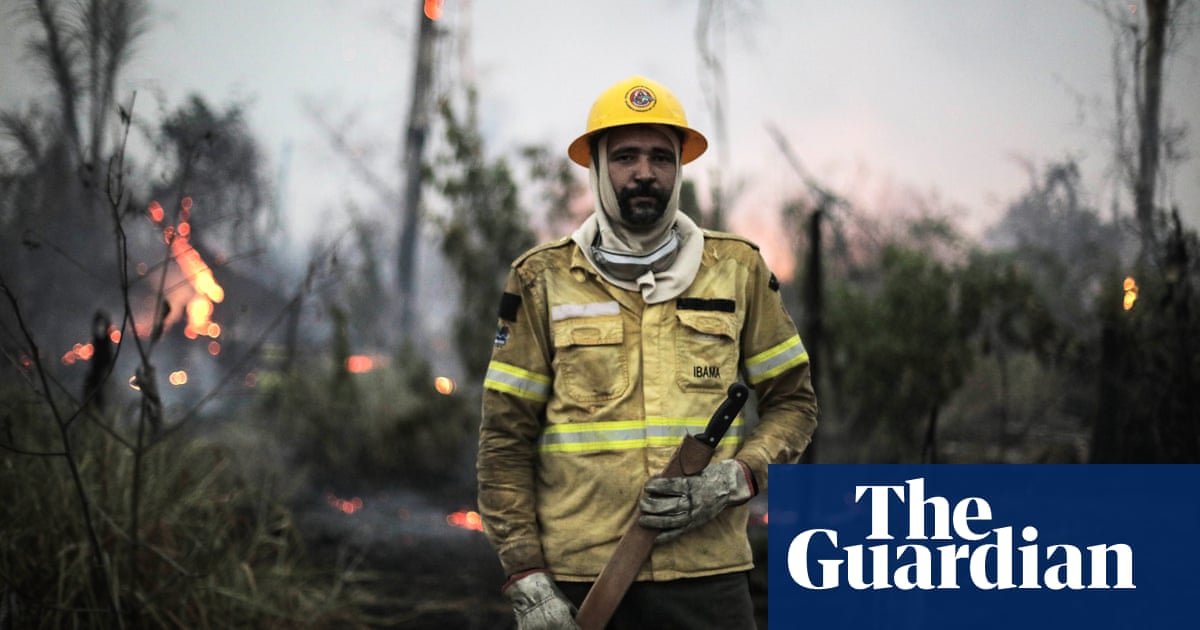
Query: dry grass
point(214, 550)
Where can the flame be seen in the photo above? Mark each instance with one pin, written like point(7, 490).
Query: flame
point(1131, 293)
point(199, 312)
point(444, 385)
point(199, 275)
point(349, 506)
point(177, 304)
point(195, 269)
point(433, 9)
point(468, 519)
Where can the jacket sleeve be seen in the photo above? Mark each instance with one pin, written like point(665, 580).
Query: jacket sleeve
point(776, 365)
point(515, 392)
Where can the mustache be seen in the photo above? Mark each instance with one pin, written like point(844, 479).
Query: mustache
point(643, 190)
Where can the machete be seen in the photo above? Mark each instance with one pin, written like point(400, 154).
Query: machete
point(693, 454)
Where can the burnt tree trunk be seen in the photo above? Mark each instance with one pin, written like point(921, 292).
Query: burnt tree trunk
point(1150, 93)
point(814, 308)
point(415, 135)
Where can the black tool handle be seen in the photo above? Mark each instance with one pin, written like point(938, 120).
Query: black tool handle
point(735, 399)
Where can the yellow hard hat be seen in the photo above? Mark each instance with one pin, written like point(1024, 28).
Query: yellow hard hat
point(637, 100)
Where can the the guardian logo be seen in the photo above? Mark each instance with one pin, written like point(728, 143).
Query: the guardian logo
point(949, 547)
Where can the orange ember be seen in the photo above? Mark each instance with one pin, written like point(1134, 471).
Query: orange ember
point(79, 352)
point(156, 212)
point(444, 385)
point(359, 364)
point(347, 506)
point(433, 9)
point(468, 519)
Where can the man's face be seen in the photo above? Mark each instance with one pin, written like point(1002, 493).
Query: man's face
point(641, 165)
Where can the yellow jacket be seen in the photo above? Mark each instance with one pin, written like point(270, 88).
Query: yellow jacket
point(590, 390)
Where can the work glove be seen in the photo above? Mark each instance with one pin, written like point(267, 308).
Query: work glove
point(680, 504)
point(538, 604)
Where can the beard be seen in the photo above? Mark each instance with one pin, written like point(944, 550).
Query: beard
point(643, 212)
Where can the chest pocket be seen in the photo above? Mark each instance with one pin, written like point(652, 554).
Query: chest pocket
point(590, 362)
point(706, 349)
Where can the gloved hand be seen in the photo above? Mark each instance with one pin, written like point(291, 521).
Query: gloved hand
point(679, 504)
point(539, 605)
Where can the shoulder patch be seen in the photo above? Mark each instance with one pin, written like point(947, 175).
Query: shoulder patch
point(509, 304)
point(561, 242)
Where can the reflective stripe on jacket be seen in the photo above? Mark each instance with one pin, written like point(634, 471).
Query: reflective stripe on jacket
point(590, 390)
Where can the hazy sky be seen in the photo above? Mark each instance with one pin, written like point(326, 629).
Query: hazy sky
point(878, 98)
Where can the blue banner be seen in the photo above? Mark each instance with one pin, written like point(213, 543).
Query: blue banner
point(984, 546)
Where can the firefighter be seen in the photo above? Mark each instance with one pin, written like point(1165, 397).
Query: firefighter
point(612, 344)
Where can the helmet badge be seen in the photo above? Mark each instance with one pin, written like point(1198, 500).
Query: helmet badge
point(640, 99)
